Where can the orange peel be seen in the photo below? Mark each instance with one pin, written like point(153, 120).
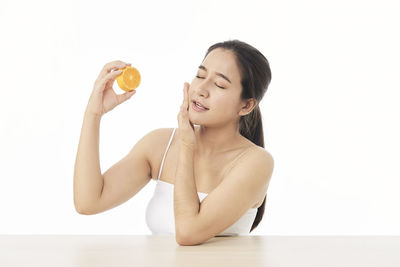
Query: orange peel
point(129, 79)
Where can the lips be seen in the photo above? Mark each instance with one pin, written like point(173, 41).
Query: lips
point(195, 101)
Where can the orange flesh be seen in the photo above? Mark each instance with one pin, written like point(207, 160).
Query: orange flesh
point(129, 79)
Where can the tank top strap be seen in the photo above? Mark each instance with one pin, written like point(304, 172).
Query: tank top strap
point(165, 153)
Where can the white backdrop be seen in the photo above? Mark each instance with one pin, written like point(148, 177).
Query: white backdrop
point(330, 115)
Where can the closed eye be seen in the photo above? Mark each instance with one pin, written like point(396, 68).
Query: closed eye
point(197, 76)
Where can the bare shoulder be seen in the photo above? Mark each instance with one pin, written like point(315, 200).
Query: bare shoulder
point(254, 151)
point(157, 140)
point(160, 133)
point(263, 154)
point(259, 158)
point(258, 164)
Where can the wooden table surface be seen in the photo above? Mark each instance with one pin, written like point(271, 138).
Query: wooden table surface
point(162, 251)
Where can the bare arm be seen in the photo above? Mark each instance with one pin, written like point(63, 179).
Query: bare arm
point(88, 181)
point(97, 193)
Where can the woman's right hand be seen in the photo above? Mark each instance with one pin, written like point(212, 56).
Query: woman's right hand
point(103, 97)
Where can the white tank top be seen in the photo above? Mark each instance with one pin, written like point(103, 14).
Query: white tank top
point(160, 210)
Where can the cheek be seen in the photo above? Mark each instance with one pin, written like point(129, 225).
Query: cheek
point(194, 81)
point(225, 101)
point(229, 105)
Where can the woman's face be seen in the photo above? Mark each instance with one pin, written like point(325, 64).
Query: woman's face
point(217, 86)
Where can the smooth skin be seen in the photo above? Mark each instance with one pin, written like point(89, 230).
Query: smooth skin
point(246, 182)
point(217, 143)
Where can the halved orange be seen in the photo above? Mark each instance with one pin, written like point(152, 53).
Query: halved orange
point(129, 79)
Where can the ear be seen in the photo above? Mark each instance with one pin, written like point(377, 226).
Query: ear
point(247, 106)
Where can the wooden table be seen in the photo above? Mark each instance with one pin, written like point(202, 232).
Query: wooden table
point(162, 251)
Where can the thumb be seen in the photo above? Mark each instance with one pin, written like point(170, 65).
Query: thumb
point(125, 96)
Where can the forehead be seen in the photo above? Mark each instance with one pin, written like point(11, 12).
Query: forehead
point(223, 61)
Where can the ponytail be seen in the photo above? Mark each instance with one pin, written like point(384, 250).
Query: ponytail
point(250, 126)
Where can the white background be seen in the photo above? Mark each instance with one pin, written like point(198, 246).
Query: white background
point(330, 115)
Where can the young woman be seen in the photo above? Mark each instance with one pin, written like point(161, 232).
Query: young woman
point(214, 179)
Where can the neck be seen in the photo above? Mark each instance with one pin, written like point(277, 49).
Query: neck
point(212, 141)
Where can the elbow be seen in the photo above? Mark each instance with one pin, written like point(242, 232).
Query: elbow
point(184, 241)
point(82, 210)
point(186, 235)
point(187, 240)
point(181, 237)
point(85, 206)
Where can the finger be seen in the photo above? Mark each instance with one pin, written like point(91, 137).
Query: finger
point(184, 113)
point(184, 104)
point(109, 77)
point(185, 96)
point(117, 64)
point(183, 100)
point(187, 90)
point(180, 119)
point(125, 96)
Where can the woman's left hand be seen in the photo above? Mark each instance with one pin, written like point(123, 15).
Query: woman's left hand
point(186, 129)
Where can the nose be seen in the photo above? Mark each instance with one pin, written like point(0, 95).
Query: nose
point(201, 89)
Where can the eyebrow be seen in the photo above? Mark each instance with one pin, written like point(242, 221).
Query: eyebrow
point(218, 73)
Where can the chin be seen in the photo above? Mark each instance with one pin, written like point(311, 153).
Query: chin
point(195, 121)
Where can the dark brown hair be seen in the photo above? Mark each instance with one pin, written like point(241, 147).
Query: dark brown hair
point(256, 76)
